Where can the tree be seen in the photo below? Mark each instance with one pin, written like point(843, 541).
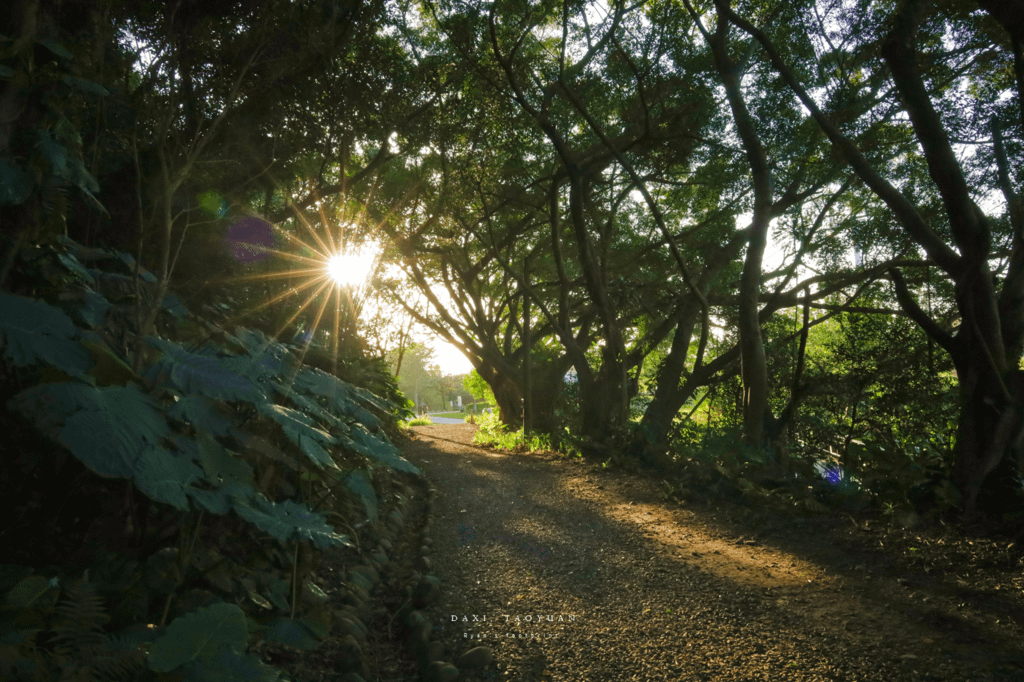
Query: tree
point(986, 346)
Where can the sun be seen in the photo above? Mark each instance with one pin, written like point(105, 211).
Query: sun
point(348, 269)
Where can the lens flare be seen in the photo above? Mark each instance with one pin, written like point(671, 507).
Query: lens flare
point(349, 269)
point(325, 272)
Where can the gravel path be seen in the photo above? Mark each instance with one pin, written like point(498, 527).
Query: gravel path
point(572, 573)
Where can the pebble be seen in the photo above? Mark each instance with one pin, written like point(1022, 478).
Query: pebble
point(435, 651)
point(477, 658)
point(439, 671)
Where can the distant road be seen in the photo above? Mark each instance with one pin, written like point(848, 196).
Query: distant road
point(445, 420)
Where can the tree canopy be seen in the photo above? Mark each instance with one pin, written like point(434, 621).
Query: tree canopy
point(649, 226)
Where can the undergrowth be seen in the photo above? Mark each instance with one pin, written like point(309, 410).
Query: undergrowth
point(165, 520)
point(495, 434)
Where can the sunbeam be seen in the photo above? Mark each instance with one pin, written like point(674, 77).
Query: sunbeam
point(321, 265)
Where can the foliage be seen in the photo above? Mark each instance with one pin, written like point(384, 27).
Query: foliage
point(493, 433)
point(202, 429)
point(480, 389)
point(418, 421)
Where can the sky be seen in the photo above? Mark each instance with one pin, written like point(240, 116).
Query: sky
point(450, 358)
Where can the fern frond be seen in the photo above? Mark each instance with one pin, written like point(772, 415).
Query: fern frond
point(78, 632)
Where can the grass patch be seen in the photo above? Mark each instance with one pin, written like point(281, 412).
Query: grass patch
point(450, 415)
point(418, 421)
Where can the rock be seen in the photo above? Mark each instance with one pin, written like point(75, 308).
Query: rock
point(358, 612)
point(426, 592)
point(360, 579)
point(344, 626)
point(439, 671)
point(356, 590)
point(424, 549)
point(385, 544)
point(414, 619)
point(477, 658)
point(427, 542)
point(435, 650)
point(420, 639)
point(350, 654)
point(369, 571)
point(381, 559)
point(423, 562)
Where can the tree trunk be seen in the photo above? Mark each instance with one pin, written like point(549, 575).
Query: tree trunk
point(989, 446)
point(602, 398)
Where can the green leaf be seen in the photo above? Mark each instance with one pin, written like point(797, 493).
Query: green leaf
point(317, 454)
point(219, 465)
point(267, 358)
point(279, 589)
point(310, 406)
point(55, 47)
point(55, 154)
point(289, 521)
point(228, 666)
point(75, 173)
point(299, 428)
point(200, 374)
point(15, 184)
point(94, 311)
point(12, 574)
point(347, 399)
point(290, 632)
point(201, 413)
point(367, 444)
point(72, 264)
point(199, 634)
point(222, 500)
point(163, 475)
point(26, 592)
point(18, 636)
point(84, 85)
point(106, 428)
point(32, 331)
point(359, 483)
point(174, 306)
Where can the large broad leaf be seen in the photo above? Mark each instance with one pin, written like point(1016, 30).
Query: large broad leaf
point(94, 311)
point(300, 429)
point(202, 374)
point(163, 475)
point(359, 484)
point(201, 413)
point(347, 399)
point(228, 666)
point(222, 500)
point(218, 464)
point(310, 406)
point(106, 428)
point(289, 521)
point(291, 632)
point(32, 331)
point(199, 634)
point(267, 358)
point(15, 184)
point(69, 261)
point(365, 443)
